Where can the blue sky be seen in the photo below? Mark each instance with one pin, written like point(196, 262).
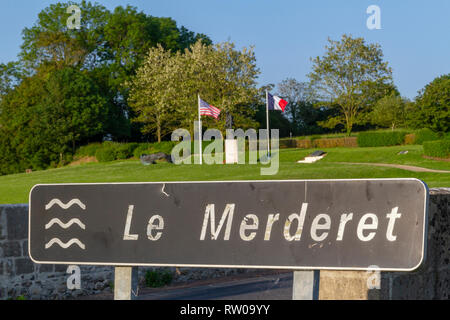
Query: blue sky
point(415, 35)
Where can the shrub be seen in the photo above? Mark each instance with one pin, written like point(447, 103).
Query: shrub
point(107, 151)
point(438, 148)
point(105, 154)
point(381, 138)
point(166, 146)
point(425, 134)
point(124, 150)
point(149, 148)
point(158, 278)
point(141, 149)
point(88, 150)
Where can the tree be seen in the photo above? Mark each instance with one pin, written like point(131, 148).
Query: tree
point(432, 106)
point(301, 111)
point(129, 34)
point(10, 76)
point(164, 92)
point(389, 111)
point(46, 116)
point(153, 89)
point(223, 76)
point(345, 76)
point(110, 44)
point(73, 107)
point(50, 41)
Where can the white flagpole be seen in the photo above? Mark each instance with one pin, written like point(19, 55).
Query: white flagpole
point(267, 122)
point(200, 131)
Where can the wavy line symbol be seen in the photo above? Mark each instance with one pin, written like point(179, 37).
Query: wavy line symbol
point(65, 206)
point(65, 225)
point(65, 245)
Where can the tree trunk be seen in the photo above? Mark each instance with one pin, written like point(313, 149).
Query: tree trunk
point(158, 128)
point(348, 124)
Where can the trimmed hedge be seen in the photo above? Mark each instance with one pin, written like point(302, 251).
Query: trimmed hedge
point(438, 148)
point(425, 134)
point(335, 142)
point(319, 143)
point(304, 144)
point(381, 139)
point(288, 143)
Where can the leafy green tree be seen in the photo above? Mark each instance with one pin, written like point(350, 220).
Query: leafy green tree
point(389, 111)
point(50, 41)
point(152, 91)
point(110, 44)
point(165, 89)
point(432, 106)
point(73, 107)
point(345, 76)
point(47, 115)
point(68, 86)
point(10, 76)
point(223, 76)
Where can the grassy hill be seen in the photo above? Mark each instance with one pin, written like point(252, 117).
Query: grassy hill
point(15, 188)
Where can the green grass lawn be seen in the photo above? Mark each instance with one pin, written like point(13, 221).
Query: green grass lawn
point(15, 188)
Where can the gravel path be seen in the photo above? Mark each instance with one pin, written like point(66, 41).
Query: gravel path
point(398, 166)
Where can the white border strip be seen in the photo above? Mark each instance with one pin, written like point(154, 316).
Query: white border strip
point(424, 231)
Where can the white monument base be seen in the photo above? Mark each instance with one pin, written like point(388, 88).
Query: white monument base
point(231, 151)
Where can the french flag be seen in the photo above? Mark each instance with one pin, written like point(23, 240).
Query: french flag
point(276, 103)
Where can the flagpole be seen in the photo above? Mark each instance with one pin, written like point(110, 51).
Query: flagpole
point(267, 123)
point(200, 131)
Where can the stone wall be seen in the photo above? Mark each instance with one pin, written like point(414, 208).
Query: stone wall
point(430, 281)
point(20, 277)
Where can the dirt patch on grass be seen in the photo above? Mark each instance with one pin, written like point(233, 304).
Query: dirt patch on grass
point(83, 160)
point(434, 158)
point(398, 166)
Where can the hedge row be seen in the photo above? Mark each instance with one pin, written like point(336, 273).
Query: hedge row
point(110, 151)
point(438, 148)
point(381, 138)
point(319, 143)
point(422, 135)
point(335, 142)
point(367, 139)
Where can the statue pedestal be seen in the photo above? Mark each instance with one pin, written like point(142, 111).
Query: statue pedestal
point(231, 151)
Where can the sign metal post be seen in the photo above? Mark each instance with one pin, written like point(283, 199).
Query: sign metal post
point(125, 283)
point(306, 285)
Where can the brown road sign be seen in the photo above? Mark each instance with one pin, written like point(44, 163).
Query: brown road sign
point(291, 224)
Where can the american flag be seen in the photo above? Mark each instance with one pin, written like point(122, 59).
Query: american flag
point(207, 109)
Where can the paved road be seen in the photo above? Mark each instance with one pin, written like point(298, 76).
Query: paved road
point(268, 287)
